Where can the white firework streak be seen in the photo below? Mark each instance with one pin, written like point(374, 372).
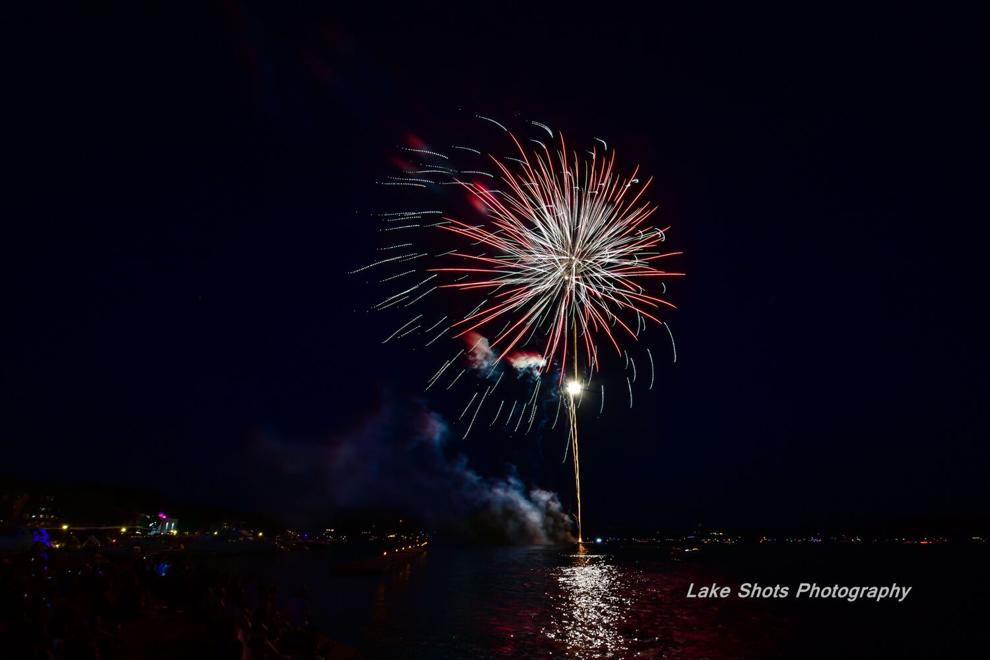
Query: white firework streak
point(473, 397)
point(476, 411)
point(522, 413)
point(442, 333)
point(650, 355)
point(437, 375)
point(409, 331)
point(403, 327)
point(556, 414)
point(673, 345)
point(430, 329)
point(456, 378)
point(532, 414)
point(497, 412)
point(511, 410)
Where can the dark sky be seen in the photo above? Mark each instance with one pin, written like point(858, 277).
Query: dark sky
point(186, 188)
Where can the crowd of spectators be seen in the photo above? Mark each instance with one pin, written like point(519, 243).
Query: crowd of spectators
point(58, 604)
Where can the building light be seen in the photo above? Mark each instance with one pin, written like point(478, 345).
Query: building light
point(64, 527)
point(123, 530)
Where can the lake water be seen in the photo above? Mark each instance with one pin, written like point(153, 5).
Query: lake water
point(625, 602)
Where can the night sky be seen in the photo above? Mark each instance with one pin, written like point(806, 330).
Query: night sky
point(186, 188)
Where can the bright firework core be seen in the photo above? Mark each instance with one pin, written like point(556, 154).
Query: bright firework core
point(573, 387)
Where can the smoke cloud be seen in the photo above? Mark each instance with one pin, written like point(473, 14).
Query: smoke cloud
point(396, 458)
point(480, 355)
point(482, 359)
point(527, 361)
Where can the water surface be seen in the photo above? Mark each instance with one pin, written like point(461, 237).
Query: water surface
point(625, 602)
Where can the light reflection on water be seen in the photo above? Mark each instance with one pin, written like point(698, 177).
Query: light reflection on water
point(627, 602)
point(537, 602)
point(587, 607)
point(542, 602)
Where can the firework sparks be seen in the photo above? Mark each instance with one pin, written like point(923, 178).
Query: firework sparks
point(570, 248)
point(560, 258)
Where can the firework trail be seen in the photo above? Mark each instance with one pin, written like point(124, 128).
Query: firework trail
point(557, 259)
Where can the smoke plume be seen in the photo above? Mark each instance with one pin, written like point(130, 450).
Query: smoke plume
point(396, 458)
point(480, 355)
point(481, 358)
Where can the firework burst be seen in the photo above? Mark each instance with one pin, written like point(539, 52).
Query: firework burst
point(571, 251)
point(558, 256)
